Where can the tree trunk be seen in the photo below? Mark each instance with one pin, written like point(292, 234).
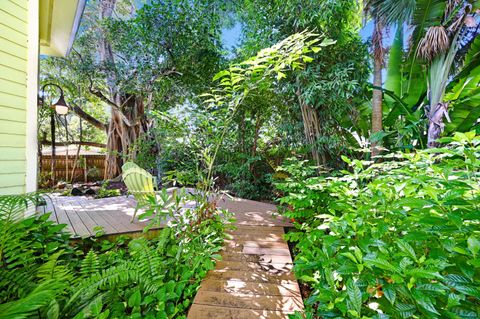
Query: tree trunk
point(435, 123)
point(311, 128)
point(122, 136)
point(256, 135)
point(377, 110)
point(258, 125)
point(127, 112)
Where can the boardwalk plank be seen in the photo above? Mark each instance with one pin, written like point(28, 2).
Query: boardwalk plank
point(256, 244)
point(257, 302)
point(235, 256)
point(252, 276)
point(214, 312)
point(256, 230)
point(266, 236)
point(251, 288)
point(247, 266)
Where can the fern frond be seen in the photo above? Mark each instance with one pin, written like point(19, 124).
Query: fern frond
point(52, 269)
point(40, 297)
point(13, 207)
point(90, 265)
point(148, 262)
point(111, 278)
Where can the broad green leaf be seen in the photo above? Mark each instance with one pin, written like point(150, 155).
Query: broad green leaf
point(135, 299)
point(355, 297)
point(407, 249)
point(380, 263)
point(473, 245)
point(389, 293)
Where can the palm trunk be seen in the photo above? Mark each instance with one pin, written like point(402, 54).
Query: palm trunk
point(377, 110)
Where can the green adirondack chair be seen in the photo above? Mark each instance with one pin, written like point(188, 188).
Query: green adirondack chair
point(129, 165)
point(140, 184)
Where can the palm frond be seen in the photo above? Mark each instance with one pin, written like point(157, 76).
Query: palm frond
point(434, 43)
point(391, 11)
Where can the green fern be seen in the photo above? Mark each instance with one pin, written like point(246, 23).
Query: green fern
point(148, 262)
point(90, 264)
point(39, 297)
point(108, 279)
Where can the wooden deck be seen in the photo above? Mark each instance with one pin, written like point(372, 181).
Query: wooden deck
point(85, 215)
point(253, 279)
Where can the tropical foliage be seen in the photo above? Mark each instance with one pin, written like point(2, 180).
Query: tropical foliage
point(44, 276)
point(397, 239)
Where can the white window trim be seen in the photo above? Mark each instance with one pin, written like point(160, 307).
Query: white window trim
point(32, 96)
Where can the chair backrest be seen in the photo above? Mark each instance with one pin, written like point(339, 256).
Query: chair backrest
point(129, 165)
point(139, 182)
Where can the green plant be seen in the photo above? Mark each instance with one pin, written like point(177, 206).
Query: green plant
point(397, 239)
point(104, 191)
point(35, 256)
point(42, 275)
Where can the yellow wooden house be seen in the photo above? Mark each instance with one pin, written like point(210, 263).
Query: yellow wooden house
point(28, 29)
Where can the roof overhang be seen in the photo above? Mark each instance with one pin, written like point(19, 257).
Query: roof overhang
point(59, 21)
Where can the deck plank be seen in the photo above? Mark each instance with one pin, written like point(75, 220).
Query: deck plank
point(251, 288)
point(77, 223)
point(50, 208)
point(62, 217)
point(98, 220)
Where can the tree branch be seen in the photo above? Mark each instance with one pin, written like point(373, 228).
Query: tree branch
point(87, 117)
point(105, 99)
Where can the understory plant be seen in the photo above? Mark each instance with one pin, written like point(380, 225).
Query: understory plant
point(394, 239)
point(44, 275)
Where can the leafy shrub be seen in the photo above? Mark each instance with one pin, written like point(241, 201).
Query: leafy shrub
point(42, 275)
point(104, 191)
point(396, 239)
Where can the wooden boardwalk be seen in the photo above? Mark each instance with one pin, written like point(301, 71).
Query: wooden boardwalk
point(254, 277)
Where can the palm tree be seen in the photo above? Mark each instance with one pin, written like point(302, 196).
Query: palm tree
point(439, 29)
point(384, 13)
point(438, 48)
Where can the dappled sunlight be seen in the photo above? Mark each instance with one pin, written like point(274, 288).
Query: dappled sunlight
point(253, 279)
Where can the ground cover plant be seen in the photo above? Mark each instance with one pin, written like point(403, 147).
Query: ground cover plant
point(44, 275)
point(394, 239)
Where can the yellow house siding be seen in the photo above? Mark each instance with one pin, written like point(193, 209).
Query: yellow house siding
point(21, 3)
point(13, 93)
point(12, 35)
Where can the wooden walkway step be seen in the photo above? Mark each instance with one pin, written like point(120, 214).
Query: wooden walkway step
point(254, 279)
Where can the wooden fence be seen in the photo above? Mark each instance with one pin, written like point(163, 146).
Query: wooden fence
point(89, 167)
